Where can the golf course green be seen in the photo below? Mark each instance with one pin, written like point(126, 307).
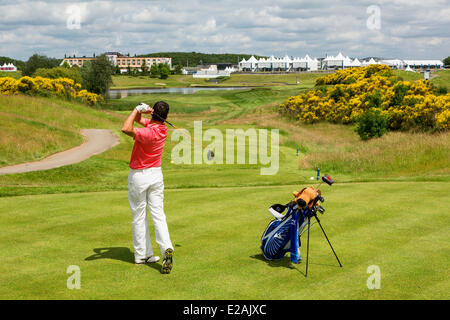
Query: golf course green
point(388, 206)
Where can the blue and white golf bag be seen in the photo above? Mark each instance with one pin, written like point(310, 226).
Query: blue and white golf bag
point(282, 235)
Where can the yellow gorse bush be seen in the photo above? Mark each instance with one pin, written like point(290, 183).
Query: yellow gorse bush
point(88, 97)
point(355, 90)
point(8, 86)
point(63, 87)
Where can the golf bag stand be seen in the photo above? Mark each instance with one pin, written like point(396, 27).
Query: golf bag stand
point(314, 214)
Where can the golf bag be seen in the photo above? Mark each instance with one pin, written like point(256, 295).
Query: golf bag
point(283, 233)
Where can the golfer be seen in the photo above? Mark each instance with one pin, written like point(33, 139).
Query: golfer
point(146, 185)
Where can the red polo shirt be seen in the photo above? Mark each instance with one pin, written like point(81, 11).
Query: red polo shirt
point(148, 146)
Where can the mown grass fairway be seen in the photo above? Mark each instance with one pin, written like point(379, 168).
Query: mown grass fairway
point(396, 226)
point(241, 80)
point(388, 207)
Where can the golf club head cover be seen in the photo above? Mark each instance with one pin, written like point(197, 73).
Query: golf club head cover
point(327, 179)
point(307, 195)
point(142, 107)
point(276, 210)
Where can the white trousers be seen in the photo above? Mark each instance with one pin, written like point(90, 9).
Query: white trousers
point(146, 188)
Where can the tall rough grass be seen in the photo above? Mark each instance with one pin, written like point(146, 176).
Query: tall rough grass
point(396, 153)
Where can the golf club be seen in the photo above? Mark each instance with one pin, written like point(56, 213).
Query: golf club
point(327, 179)
point(209, 155)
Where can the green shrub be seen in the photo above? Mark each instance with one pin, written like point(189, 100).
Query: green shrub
point(60, 72)
point(164, 72)
point(440, 91)
point(374, 99)
point(160, 70)
point(400, 91)
point(37, 61)
point(371, 124)
point(154, 71)
point(96, 75)
point(336, 93)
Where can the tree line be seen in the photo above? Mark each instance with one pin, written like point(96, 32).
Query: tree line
point(95, 76)
point(192, 59)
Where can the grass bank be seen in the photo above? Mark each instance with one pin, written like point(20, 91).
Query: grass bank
point(34, 127)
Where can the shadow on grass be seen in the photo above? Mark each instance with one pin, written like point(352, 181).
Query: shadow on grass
point(117, 253)
point(285, 262)
point(325, 264)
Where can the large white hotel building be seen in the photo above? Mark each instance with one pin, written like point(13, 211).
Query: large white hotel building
point(122, 61)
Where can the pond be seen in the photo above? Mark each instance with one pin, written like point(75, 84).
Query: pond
point(123, 93)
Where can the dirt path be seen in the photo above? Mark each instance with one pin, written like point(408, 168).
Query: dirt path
point(96, 141)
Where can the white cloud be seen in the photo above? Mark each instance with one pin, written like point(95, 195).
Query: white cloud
point(435, 41)
point(410, 28)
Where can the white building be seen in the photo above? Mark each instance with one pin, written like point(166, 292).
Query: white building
point(335, 62)
point(355, 63)
point(339, 62)
point(292, 64)
point(8, 67)
point(306, 63)
point(407, 64)
point(424, 64)
point(122, 61)
point(366, 63)
point(212, 72)
point(394, 63)
point(230, 69)
point(249, 65)
point(285, 64)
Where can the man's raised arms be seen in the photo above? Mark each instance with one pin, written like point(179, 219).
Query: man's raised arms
point(135, 115)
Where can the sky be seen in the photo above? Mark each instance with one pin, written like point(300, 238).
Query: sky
point(405, 29)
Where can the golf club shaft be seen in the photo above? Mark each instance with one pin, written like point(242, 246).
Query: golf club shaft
point(180, 130)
